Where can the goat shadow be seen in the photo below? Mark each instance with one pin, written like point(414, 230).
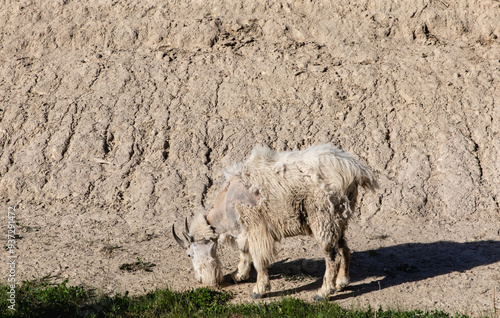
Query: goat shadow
point(397, 265)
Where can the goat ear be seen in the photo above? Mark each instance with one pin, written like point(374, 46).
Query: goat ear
point(188, 238)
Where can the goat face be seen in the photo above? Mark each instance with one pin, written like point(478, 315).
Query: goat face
point(203, 254)
point(207, 269)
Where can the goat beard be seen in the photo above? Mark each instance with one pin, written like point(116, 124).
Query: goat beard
point(210, 273)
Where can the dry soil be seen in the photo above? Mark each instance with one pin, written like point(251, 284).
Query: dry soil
point(117, 118)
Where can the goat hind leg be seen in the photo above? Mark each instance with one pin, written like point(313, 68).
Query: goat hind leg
point(343, 273)
point(332, 260)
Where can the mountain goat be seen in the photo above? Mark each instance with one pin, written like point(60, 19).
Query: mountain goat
point(274, 195)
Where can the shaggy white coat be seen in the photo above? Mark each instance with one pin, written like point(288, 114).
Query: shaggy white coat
point(310, 192)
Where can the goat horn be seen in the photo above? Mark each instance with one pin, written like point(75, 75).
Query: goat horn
point(177, 239)
point(188, 237)
point(186, 225)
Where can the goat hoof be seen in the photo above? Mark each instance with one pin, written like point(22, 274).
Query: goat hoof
point(342, 284)
point(238, 278)
point(256, 296)
point(318, 298)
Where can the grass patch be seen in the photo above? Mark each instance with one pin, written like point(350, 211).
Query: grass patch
point(109, 249)
point(139, 265)
point(39, 298)
point(297, 277)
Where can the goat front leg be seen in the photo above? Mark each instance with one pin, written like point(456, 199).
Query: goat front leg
point(243, 271)
point(262, 284)
point(261, 248)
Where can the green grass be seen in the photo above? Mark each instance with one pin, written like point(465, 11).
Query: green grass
point(139, 265)
point(39, 298)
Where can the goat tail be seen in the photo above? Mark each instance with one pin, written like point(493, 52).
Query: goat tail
point(366, 179)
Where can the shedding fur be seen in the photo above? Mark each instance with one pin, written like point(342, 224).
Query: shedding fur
point(274, 195)
point(301, 188)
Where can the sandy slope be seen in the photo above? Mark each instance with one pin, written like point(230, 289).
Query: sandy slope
point(117, 118)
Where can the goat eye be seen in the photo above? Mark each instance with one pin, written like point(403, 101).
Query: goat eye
point(189, 255)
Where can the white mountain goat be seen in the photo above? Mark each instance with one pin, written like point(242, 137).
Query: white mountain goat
point(274, 195)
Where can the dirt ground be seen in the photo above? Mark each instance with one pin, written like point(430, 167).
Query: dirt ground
point(117, 118)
